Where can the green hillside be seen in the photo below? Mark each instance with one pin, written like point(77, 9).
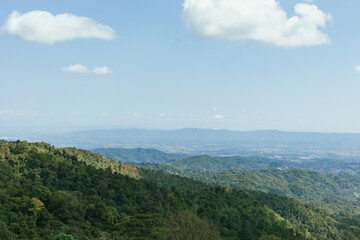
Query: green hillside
point(208, 163)
point(138, 155)
point(211, 164)
point(296, 183)
point(299, 184)
point(333, 166)
point(49, 193)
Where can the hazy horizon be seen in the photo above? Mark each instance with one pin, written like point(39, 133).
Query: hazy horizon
point(154, 65)
point(25, 133)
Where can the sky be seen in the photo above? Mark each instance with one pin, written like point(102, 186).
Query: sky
point(165, 64)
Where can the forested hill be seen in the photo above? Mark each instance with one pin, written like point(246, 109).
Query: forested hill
point(138, 155)
point(296, 183)
point(299, 184)
point(49, 193)
point(211, 164)
point(208, 163)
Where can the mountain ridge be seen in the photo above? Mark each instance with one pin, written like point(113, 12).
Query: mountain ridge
point(79, 193)
point(137, 155)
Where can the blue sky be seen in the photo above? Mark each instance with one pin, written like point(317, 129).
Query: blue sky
point(222, 72)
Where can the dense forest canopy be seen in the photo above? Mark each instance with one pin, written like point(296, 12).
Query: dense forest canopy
point(50, 193)
point(296, 183)
point(138, 155)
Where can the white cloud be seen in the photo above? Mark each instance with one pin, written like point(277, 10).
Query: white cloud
point(43, 27)
point(357, 68)
point(75, 68)
point(83, 69)
point(262, 20)
point(136, 114)
point(218, 116)
point(101, 70)
point(162, 114)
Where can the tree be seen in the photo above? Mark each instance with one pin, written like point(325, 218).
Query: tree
point(5, 233)
point(188, 226)
point(63, 236)
point(4, 153)
point(37, 206)
point(269, 237)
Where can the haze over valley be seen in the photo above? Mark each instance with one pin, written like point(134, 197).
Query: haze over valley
point(179, 120)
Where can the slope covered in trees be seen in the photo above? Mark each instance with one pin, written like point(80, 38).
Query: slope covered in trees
point(299, 184)
point(138, 155)
point(332, 166)
point(208, 163)
point(296, 183)
point(49, 193)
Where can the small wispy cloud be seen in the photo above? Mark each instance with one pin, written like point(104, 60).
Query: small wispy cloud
point(218, 116)
point(75, 68)
point(101, 70)
point(357, 68)
point(83, 69)
point(135, 114)
point(44, 27)
point(17, 113)
point(162, 114)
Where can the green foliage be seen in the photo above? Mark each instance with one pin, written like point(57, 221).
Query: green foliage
point(86, 197)
point(63, 236)
point(331, 166)
point(299, 184)
point(186, 225)
point(138, 155)
point(323, 213)
point(169, 180)
point(5, 233)
point(36, 206)
point(211, 164)
point(335, 194)
point(308, 218)
point(269, 237)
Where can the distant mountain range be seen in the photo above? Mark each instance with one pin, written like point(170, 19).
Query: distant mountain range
point(298, 146)
point(209, 136)
point(192, 141)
